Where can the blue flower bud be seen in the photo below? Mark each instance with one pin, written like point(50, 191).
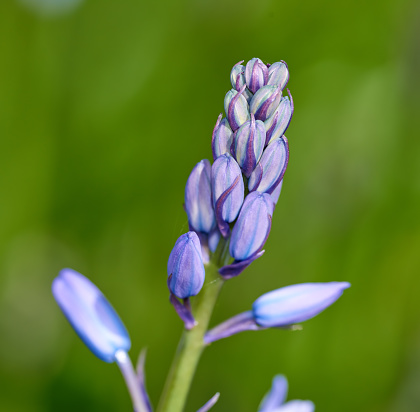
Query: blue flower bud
point(256, 74)
point(185, 267)
point(198, 201)
point(279, 121)
point(236, 108)
point(90, 314)
point(265, 102)
point(276, 193)
point(271, 168)
point(237, 79)
point(228, 191)
point(222, 138)
point(278, 74)
point(249, 141)
point(296, 303)
point(253, 226)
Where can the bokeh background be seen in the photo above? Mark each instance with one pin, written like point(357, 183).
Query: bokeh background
point(105, 107)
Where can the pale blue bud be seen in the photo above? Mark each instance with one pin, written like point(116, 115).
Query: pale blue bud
point(91, 315)
point(276, 193)
point(278, 74)
point(279, 121)
point(228, 191)
point(296, 303)
point(236, 108)
point(271, 168)
point(222, 138)
point(249, 144)
point(265, 102)
point(237, 79)
point(252, 227)
point(198, 201)
point(185, 267)
point(256, 74)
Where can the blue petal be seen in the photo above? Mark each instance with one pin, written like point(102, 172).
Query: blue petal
point(297, 406)
point(276, 396)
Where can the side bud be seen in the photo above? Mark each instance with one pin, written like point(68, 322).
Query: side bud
point(91, 315)
point(228, 191)
point(256, 74)
point(265, 102)
point(236, 108)
point(249, 144)
point(279, 121)
point(237, 79)
point(278, 74)
point(222, 138)
point(185, 267)
point(198, 201)
point(271, 168)
point(296, 303)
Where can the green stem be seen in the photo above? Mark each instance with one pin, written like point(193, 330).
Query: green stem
point(191, 346)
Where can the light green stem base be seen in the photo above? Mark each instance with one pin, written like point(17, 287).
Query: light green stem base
point(192, 344)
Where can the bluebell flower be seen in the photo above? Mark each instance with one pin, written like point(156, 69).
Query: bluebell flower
point(222, 138)
point(270, 169)
point(237, 79)
point(256, 74)
point(249, 142)
point(274, 401)
point(265, 102)
point(278, 74)
point(91, 315)
point(228, 191)
point(296, 303)
point(236, 108)
point(279, 121)
point(198, 200)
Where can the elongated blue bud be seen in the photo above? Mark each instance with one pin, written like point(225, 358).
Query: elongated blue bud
point(271, 168)
point(91, 315)
point(198, 201)
point(252, 227)
point(237, 79)
point(296, 303)
point(256, 74)
point(278, 74)
point(222, 138)
point(279, 121)
point(228, 191)
point(185, 267)
point(276, 193)
point(249, 141)
point(265, 102)
point(236, 108)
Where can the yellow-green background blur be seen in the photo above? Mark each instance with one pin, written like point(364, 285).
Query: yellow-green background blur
point(104, 111)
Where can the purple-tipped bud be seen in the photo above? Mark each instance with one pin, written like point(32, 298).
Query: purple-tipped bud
point(296, 303)
point(278, 74)
point(279, 121)
point(249, 144)
point(222, 138)
point(270, 169)
point(236, 108)
point(198, 201)
point(185, 267)
point(256, 74)
point(228, 191)
point(91, 315)
point(252, 227)
point(237, 79)
point(265, 102)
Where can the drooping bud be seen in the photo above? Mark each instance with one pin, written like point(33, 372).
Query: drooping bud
point(91, 315)
point(279, 121)
point(278, 74)
point(296, 303)
point(185, 267)
point(222, 138)
point(228, 191)
point(271, 168)
point(237, 79)
point(265, 102)
point(256, 74)
point(198, 201)
point(249, 144)
point(252, 227)
point(236, 108)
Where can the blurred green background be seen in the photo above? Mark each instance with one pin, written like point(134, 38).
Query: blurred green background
point(105, 107)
